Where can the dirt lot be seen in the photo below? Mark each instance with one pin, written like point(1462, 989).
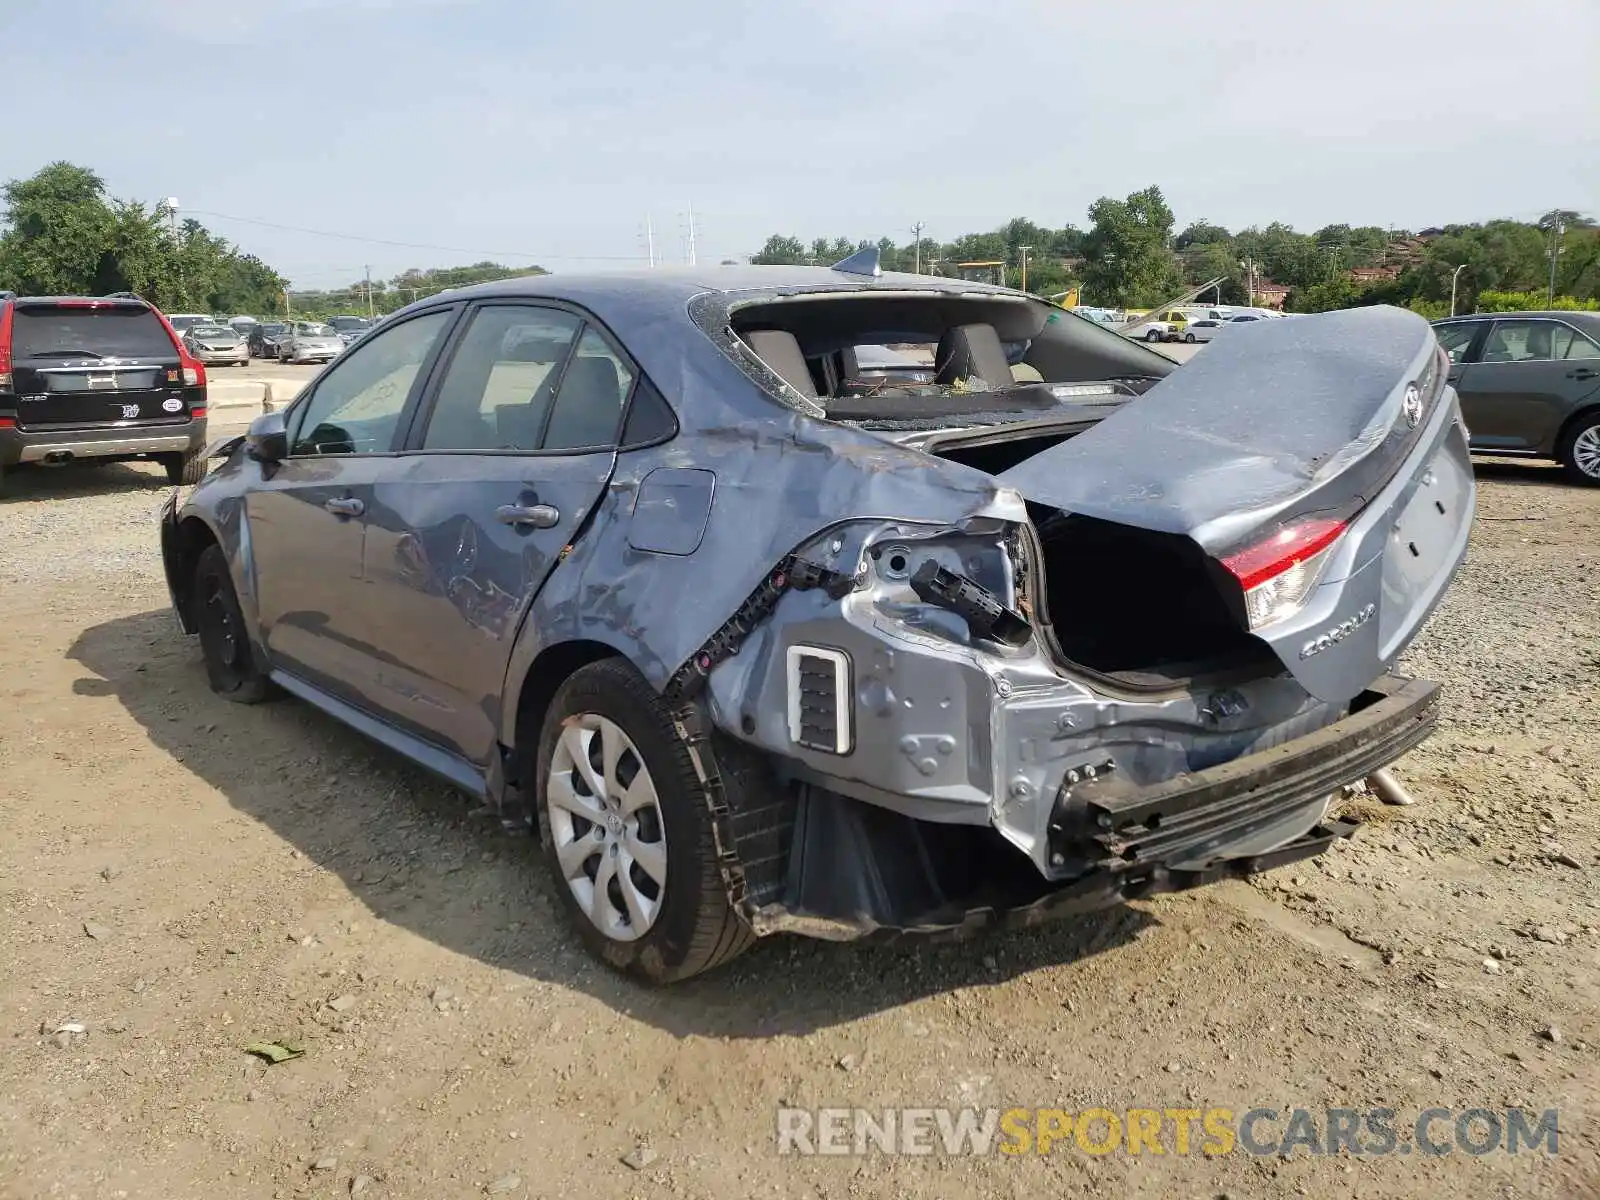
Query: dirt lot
point(182, 877)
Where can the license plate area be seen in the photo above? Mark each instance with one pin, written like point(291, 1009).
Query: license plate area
point(1423, 539)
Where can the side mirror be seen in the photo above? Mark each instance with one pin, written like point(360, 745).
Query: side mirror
point(268, 439)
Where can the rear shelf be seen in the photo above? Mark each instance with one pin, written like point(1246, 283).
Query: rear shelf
point(1145, 609)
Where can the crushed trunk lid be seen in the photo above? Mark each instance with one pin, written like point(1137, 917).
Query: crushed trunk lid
point(1342, 419)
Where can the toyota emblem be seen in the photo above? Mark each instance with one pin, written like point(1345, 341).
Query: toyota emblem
point(1412, 406)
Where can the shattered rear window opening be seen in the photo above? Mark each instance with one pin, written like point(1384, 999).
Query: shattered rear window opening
point(894, 360)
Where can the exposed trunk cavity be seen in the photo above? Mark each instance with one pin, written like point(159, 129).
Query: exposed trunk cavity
point(1147, 609)
point(1002, 451)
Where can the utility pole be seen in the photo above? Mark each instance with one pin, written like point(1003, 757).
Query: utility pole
point(689, 240)
point(650, 238)
point(1249, 266)
point(916, 241)
point(1555, 253)
point(1024, 252)
point(370, 310)
point(1455, 275)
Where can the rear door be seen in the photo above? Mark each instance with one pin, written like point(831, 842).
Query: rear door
point(80, 364)
point(307, 515)
point(1520, 388)
point(1331, 441)
point(510, 454)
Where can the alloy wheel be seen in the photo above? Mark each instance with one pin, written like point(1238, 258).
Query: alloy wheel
point(1586, 452)
point(606, 825)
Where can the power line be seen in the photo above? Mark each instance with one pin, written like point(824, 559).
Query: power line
point(354, 237)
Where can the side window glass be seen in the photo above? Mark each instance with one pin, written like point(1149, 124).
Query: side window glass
point(1569, 343)
point(650, 419)
point(356, 406)
point(590, 399)
point(1456, 338)
point(496, 393)
point(1519, 341)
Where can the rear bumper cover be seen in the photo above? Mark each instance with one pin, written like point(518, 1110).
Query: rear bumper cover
point(1201, 818)
point(1114, 841)
point(19, 446)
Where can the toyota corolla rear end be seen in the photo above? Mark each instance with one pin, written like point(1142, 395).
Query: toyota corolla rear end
point(1153, 661)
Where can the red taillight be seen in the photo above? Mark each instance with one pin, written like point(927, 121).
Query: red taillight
point(1289, 547)
point(5, 345)
point(1279, 574)
point(8, 422)
point(194, 371)
point(197, 412)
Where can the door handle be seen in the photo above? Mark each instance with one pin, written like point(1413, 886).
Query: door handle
point(1582, 373)
point(344, 506)
point(539, 516)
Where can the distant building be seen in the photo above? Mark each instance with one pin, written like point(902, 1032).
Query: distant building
point(1271, 295)
point(1367, 276)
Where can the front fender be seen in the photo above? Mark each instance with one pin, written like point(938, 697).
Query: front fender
point(172, 563)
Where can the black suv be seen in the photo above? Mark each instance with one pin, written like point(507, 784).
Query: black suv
point(98, 377)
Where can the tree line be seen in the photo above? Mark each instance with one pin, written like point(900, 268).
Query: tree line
point(61, 234)
point(1133, 255)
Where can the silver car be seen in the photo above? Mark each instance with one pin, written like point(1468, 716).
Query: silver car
point(309, 341)
point(217, 345)
point(638, 560)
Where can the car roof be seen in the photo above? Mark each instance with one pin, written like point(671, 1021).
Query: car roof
point(675, 285)
point(101, 301)
point(1590, 320)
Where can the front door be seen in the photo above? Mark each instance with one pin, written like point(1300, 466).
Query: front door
point(1523, 385)
point(509, 455)
point(307, 516)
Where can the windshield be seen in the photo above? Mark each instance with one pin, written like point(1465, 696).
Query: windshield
point(312, 331)
point(270, 329)
point(346, 324)
point(212, 331)
point(114, 332)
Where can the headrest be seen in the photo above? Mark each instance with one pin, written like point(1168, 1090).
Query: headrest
point(780, 350)
point(972, 352)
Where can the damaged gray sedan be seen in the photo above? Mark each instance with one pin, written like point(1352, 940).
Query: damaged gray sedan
point(1017, 621)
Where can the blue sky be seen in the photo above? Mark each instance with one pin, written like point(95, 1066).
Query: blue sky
point(551, 128)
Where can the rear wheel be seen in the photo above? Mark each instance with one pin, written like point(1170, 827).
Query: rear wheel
point(1579, 451)
point(185, 469)
point(627, 833)
point(224, 641)
point(1153, 336)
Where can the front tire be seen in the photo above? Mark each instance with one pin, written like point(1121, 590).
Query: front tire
point(224, 641)
point(1190, 338)
point(627, 833)
point(1579, 451)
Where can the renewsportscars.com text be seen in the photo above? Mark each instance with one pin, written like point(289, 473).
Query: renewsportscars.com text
point(1161, 1131)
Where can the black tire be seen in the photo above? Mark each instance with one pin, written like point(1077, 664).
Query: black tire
point(1189, 337)
point(1153, 335)
point(1573, 460)
point(696, 929)
point(185, 469)
point(224, 643)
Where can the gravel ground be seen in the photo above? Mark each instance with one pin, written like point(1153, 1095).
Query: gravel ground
point(182, 877)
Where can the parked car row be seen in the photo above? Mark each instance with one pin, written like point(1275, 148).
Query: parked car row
point(239, 339)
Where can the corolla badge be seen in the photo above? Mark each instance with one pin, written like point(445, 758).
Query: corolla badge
point(1332, 637)
point(1412, 406)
